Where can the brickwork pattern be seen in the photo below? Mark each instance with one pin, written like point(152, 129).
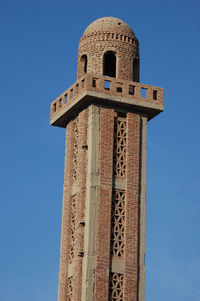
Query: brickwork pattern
point(109, 23)
point(70, 289)
point(130, 90)
point(132, 207)
point(119, 166)
point(72, 236)
point(75, 149)
point(116, 287)
point(105, 198)
point(125, 55)
point(108, 34)
point(118, 223)
point(72, 228)
point(114, 238)
point(80, 204)
point(66, 217)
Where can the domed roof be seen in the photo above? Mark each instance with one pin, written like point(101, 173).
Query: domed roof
point(109, 24)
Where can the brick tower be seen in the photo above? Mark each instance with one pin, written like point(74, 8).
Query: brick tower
point(105, 113)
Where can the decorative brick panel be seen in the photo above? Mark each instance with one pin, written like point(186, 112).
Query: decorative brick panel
point(132, 207)
point(70, 289)
point(118, 223)
point(104, 204)
point(119, 164)
point(116, 287)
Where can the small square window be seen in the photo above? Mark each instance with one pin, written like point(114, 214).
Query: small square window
point(119, 89)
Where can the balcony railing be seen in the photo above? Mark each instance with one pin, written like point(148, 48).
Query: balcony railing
point(110, 86)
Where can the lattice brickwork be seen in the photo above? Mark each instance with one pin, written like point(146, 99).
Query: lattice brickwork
point(75, 149)
point(69, 295)
point(72, 228)
point(116, 287)
point(120, 147)
point(118, 223)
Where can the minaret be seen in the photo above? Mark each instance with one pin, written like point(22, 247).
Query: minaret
point(105, 113)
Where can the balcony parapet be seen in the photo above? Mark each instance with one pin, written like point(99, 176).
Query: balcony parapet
point(109, 87)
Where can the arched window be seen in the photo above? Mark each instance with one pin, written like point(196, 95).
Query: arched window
point(109, 64)
point(136, 70)
point(83, 64)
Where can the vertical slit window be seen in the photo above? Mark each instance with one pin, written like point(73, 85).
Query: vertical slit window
point(94, 83)
point(143, 92)
point(155, 94)
point(136, 70)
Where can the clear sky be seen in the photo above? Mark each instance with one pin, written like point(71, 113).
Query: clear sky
point(39, 44)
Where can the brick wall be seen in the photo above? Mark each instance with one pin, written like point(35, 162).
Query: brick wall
point(104, 204)
point(74, 189)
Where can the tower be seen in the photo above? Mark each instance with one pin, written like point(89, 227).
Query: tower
point(105, 113)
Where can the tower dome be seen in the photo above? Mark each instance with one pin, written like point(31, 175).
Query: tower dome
point(109, 24)
point(109, 47)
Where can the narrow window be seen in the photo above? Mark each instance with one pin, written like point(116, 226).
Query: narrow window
point(83, 64)
point(136, 73)
point(143, 92)
point(155, 94)
point(54, 107)
point(65, 98)
point(131, 90)
point(109, 64)
point(94, 83)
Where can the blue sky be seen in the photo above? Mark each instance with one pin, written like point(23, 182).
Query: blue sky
point(39, 44)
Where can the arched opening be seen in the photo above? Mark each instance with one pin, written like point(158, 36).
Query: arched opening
point(109, 64)
point(136, 70)
point(83, 64)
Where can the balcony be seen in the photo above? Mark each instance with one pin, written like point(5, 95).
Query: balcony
point(92, 88)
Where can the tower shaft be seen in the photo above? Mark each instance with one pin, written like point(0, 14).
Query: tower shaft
point(103, 228)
